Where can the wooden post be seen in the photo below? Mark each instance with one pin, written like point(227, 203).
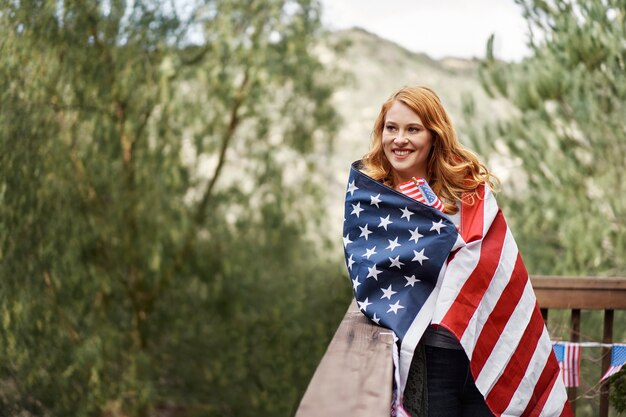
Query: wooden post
point(606, 362)
point(572, 392)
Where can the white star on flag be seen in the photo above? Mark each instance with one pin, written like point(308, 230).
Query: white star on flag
point(364, 232)
point(415, 235)
point(346, 240)
point(375, 199)
point(411, 281)
point(369, 252)
point(373, 272)
point(394, 307)
point(393, 244)
point(406, 213)
point(356, 209)
point(387, 293)
point(396, 262)
point(376, 319)
point(352, 188)
point(438, 226)
point(355, 283)
point(419, 256)
point(350, 262)
point(363, 304)
point(384, 222)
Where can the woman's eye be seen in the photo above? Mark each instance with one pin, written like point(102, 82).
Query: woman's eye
point(390, 128)
point(414, 129)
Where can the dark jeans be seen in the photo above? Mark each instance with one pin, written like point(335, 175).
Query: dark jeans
point(451, 388)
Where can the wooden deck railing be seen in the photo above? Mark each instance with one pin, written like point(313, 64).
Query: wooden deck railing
point(357, 363)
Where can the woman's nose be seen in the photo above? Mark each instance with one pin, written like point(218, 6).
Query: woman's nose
point(400, 139)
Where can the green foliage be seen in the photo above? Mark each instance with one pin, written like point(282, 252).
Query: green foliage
point(568, 137)
point(618, 394)
point(156, 203)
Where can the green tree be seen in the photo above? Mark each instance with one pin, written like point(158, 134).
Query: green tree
point(569, 136)
point(566, 139)
point(158, 199)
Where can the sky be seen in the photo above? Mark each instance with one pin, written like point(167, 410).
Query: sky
point(439, 28)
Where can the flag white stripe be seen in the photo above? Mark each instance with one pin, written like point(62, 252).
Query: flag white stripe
point(537, 363)
point(459, 270)
point(492, 295)
point(508, 342)
point(490, 210)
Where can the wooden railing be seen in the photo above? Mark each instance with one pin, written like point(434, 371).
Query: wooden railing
point(357, 363)
point(576, 294)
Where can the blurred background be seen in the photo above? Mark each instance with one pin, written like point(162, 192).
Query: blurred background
point(172, 176)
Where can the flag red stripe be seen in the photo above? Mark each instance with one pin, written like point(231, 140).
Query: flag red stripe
point(500, 394)
point(460, 312)
point(543, 388)
point(574, 363)
point(472, 217)
point(499, 317)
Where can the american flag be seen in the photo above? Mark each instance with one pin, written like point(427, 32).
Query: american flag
point(618, 359)
point(410, 266)
point(419, 190)
point(568, 357)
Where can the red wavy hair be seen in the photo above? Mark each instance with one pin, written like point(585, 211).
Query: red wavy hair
point(453, 172)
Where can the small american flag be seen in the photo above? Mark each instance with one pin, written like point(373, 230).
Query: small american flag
point(568, 356)
point(410, 266)
point(618, 359)
point(418, 189)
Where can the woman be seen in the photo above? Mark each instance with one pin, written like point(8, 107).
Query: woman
point(413, 137)
point(454, 264)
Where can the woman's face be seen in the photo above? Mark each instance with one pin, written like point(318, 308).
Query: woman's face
point(406, 143)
